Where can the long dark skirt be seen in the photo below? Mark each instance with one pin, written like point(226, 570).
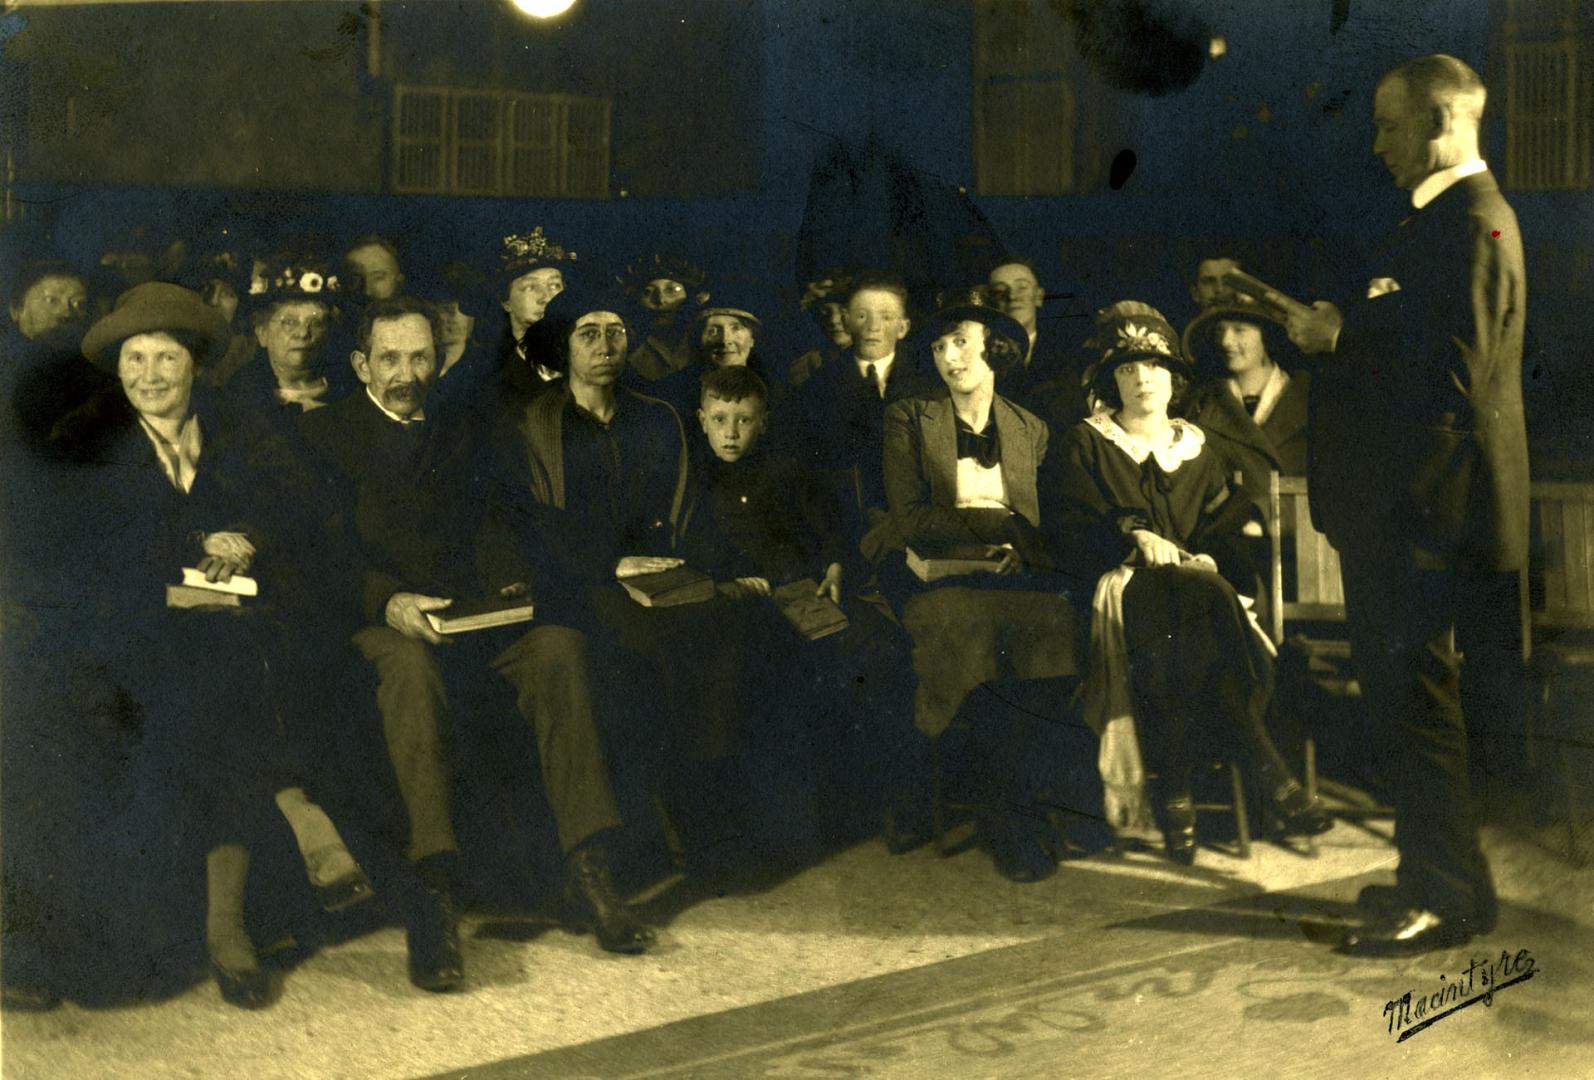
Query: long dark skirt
point(1201, 678)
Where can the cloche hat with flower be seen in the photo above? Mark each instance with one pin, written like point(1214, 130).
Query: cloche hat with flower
point(292, 279)
point(1131, 330)
point(522, 253)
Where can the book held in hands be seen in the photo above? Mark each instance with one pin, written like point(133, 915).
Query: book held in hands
point(813, 616)
point(669, 588)
point(954, 560)
point(463, 616)
point(196, 592)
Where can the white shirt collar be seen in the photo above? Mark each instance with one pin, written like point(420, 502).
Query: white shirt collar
point(178, 460)
point(1441, 181)
point(393, 416)
point(882, 368)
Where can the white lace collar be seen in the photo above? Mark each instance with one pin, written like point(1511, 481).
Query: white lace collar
point(1186, 446)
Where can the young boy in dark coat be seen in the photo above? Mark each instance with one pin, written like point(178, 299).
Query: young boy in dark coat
point(757, 520)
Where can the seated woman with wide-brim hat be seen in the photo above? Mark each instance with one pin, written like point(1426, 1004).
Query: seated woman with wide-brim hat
point(1150, 518)
point(191, 483)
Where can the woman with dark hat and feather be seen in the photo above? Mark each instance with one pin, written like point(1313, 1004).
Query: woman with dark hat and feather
point(1148, 515)
point(190, 483)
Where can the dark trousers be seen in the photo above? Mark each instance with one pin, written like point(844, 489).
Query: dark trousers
point(547, 669)
point(1402, 624)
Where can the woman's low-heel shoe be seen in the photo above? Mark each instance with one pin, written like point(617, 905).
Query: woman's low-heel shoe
point(1179, 833)
point(1018, 849)
point(1300, 814)
point(347, 889)
point(350, 889)
point(244, 989)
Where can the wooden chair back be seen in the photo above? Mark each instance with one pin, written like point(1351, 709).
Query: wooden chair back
point(1319, 595)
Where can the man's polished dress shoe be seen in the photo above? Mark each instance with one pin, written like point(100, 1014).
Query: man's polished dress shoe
point(432, 936)
point(618, 930)
point(1392, 899)
point(1406, 932)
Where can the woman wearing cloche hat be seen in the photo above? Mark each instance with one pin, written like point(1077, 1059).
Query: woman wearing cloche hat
point(188, 486)
point(962, 473)
point(1149, 516)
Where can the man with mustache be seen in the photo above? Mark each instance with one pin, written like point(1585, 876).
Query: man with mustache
point(422, 521)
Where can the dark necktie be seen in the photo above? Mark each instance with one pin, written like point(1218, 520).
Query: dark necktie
point(1251, 401)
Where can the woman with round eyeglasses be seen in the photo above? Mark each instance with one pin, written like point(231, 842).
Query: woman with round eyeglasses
point(1149, 516)
point(294, 305)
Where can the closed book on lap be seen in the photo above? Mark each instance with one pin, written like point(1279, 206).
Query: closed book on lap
point(190, 596)
point(237, 585)
point(463, 616)
point(952, 560)
point(813, 616)
point(669, 588)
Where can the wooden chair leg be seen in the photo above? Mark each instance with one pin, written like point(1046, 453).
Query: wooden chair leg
point(1309, 766)
point(1242, 824)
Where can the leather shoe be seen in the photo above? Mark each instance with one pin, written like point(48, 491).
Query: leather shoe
point(1391, 899)
point(1300, 814)
point(244, 989)
point(432, 937)
point(1018, 849)
point(348, 890)
point(1406, 932)
point(618, 930)
point(1178, 832)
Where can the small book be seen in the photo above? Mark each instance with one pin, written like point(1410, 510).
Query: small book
point(189, 596)
point(669, 588)
point(463, 616)
point(1277, 304)
point(933, 564)
point(237, 585)
point(813, 616)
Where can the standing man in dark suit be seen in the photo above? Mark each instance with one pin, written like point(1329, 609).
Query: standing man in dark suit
point(1419, 476)
point(425, 534)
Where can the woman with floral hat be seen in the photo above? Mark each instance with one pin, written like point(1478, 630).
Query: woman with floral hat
point(1148, 513)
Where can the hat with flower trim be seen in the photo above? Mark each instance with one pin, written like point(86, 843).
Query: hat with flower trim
point(285, 280)
point(1131, 330)
point(524, 252)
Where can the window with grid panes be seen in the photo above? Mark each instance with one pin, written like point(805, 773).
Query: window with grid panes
point(1024, 99)
point(1549, 94)
point(475, 142)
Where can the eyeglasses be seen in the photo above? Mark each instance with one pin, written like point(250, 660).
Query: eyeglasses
point(293, 324)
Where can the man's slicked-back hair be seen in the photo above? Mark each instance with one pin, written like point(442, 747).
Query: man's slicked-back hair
point(1442, 79)
point(733, 384)
point(395, 308)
